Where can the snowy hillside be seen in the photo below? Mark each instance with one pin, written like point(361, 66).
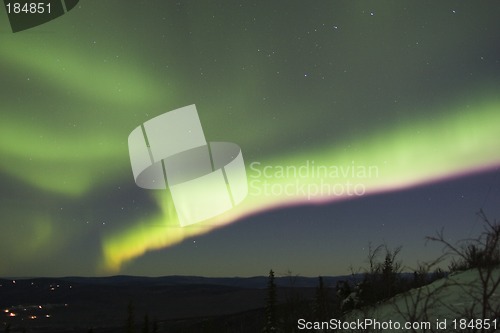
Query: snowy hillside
point(446, 305)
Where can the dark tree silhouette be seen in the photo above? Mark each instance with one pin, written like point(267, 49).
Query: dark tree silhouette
point(322, 306)
point(482, 255)
point(155, 326)
point(129, 328)
point(271, 320)
point(145, 326)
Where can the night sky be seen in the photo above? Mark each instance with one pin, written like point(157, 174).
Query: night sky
point(398, 98)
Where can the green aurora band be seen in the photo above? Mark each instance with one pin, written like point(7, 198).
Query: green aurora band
point(62, 150)
point(408, 156)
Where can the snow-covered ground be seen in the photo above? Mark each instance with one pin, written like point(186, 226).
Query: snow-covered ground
point(446, 305)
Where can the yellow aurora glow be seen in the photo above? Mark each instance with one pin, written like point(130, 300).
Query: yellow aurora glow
point(403, 157)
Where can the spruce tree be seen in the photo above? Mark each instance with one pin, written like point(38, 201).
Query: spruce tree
point(321, 308)
point(130, 319)
point(145, 327)
point(271, 322)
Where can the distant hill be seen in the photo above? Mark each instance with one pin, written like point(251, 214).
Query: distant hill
point(176, 280)
point(57, 304)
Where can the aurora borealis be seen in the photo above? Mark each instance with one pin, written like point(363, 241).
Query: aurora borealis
point(408, 88)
